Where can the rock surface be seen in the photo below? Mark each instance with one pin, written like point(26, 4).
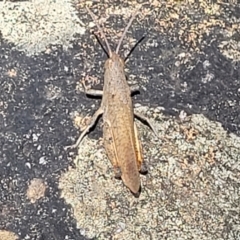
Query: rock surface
point(188, 71)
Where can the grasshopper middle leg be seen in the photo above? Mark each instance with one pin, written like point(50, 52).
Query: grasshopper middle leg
point(99, 93)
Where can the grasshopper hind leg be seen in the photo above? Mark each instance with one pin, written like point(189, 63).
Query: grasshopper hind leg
point(87, 129)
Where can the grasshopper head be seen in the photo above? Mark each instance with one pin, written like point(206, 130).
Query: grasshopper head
point(114, 62)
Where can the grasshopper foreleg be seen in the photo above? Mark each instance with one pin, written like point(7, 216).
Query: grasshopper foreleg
point(91, 92)
point(94, 92)
point(87, 129)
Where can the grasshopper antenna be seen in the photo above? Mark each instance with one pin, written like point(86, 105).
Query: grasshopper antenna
point(100, 43)
point(94, 18)
point(126, 29)
point(134, 47)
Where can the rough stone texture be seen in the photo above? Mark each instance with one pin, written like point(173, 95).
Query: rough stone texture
point(187, 68)
point(33, 25)
point(5, 235)
point(191, 191)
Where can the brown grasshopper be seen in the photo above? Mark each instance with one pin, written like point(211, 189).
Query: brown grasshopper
point(119, 130)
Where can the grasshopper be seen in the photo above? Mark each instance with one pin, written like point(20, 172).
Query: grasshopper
point(120, 134)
